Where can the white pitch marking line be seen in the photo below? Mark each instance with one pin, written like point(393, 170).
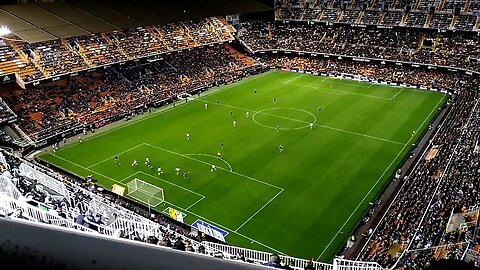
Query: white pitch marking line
point(246, 221)
point(201, 161)
point(207, 155)
point(130, 176)
point(173, 184)
point(293, 79)
point(199, 200)
point(128, 150)
point(332, 91)
point(181, 208)
point(80, 166)
point(278, 108)
point(228, 229)
point(210, 92)
point(345, 92)
point(300, 121)
point(360, 134)
point(401, 90)
point(375, 184)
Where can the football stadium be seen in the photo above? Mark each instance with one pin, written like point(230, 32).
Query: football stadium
point(292, 134)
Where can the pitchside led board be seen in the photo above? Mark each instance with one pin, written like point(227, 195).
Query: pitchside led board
point(118, 189)
point(210, 229)
point(175, 214)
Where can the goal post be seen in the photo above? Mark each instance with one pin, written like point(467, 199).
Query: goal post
point(145, 192)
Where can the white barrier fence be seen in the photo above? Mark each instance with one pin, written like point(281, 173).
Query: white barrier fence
point(9, 205)
point(8, 188)
point(141, 228)
point(261, 257)
point(128, 221)
point(4, 161)
point(44, 179)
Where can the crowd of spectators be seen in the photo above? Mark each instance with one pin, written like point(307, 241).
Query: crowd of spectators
point(6, 114)
point(453, 188)
point(411, 13)
point(56, 57)
point(92, 209)
point(97, 98)
point(450, 179)
point(414, 226)
point(11, 61)
point(63, 56)
point(460, 50)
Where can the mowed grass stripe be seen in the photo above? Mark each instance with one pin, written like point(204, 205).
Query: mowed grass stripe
point(325, 173)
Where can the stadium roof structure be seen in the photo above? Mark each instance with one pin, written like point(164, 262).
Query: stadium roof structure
point(37, 22)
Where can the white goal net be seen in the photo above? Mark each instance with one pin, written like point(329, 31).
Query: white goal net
point(144, 192)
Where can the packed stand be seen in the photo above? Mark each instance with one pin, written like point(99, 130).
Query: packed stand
point(441, 20)
point(416, 19)
point(449, 180)
point(389, 13)
point(98, 50)
point(465, 22)
point(89, 101)
point(26, 195)
point(56, 57)
point(62, 56)
point(451, 4)
point(12, 62)
point(430, 79)
point(457, 192)
point(6, 114)
point(461, 50)
point(195, 69)
point(86, 207)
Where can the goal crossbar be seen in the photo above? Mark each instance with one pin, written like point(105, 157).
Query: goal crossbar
point(145, 192)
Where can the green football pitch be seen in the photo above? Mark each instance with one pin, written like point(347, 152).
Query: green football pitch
point(304, 201)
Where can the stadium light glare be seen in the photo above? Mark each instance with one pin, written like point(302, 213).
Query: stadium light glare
point(4, 31)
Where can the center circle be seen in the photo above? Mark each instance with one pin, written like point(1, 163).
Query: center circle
point(285, 118)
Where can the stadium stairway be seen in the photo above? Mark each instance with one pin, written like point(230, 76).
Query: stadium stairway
point(19, 137)
point(241, 57)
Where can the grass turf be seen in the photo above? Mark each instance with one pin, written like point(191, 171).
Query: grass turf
point(303, 202)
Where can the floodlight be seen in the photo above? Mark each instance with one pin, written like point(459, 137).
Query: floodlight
point(4, 31)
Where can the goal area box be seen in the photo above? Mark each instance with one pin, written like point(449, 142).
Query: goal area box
point(145, 192)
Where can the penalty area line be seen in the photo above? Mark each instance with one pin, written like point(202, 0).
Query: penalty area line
point(193, 204)
point(184, 209)
point(228, 229)
point(123, 152)
point(207, 163)
point(219, 158)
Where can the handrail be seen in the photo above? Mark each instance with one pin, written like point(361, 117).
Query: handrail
point(261, 257)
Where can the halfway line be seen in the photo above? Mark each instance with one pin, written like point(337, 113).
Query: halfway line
point(304, 122)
